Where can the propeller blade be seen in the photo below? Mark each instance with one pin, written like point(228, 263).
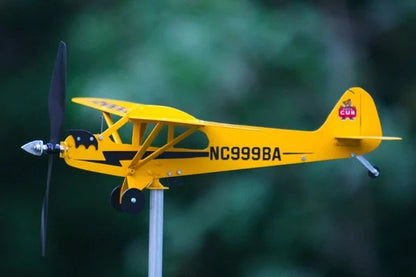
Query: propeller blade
point(44, 215)
point(56, 106)
point(57, 94)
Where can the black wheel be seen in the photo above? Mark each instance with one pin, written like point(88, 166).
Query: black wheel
point(115, 199)
point(372, 175)
point(132, 201)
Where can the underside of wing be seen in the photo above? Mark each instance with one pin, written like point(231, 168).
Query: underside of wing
point(117, 107)
point(140, 112)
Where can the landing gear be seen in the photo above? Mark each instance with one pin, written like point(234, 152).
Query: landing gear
point(372, 175)
point(132, 200)
point(373, 171)
point(115, 199)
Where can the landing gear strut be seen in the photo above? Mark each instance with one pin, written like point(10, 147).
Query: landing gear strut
point(373, 171)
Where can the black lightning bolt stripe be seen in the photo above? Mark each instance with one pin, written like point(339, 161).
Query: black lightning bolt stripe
point(297, 153)
point(178, 155)
point(114, 157)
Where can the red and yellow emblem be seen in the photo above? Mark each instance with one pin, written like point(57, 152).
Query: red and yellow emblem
point(347, 110)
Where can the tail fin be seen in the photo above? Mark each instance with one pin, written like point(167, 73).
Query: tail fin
point(355, 117)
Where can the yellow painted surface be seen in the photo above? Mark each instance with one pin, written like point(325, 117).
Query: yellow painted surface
point(352, 127)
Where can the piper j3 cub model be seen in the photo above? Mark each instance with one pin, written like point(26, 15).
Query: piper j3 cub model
point(351, 130)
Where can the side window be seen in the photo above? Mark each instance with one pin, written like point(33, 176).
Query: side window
point(142, 131)
point(160, 139)
point(125, 132)
point(196, 140)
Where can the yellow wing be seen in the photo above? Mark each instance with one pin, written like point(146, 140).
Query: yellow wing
point(116, 107)
point(140, 112)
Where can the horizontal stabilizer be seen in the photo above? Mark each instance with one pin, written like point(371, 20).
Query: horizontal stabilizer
point(369, 137)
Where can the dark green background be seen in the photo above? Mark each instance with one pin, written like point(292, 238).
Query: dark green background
point(268, 63)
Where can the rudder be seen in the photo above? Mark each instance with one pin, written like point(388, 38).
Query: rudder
point(355, 115)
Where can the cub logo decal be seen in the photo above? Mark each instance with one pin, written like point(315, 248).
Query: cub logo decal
point(347, 110)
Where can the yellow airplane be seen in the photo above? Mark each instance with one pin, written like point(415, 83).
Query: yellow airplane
point(351, 130)
point(161, 145)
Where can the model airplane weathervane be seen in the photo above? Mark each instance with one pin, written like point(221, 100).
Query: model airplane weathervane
point(351, 130)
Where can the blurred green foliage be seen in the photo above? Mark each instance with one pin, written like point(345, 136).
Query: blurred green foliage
point(270, 63)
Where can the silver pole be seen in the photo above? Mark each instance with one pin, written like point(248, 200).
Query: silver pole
point(156, 233)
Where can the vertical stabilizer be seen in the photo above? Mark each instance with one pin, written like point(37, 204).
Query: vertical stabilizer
point(355, 115)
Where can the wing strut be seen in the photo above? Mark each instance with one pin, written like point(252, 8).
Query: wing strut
point(110, 123)
point(146, 144)
point(113, 127)
point(137, 159)
point(163, 148)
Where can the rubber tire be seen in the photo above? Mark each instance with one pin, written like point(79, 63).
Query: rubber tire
point(115, 199)
point(132, 207)
point(372, 175)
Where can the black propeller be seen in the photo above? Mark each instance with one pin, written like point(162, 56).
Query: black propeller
point(56, 107)
point(56, 102)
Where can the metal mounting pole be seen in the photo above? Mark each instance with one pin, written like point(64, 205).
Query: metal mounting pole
point(156, 232)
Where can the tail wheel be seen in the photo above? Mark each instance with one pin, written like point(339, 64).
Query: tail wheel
point(372, 175)
point(115, 199)
point(132, 201)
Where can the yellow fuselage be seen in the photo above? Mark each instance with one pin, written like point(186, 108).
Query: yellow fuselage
point(352, 128)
